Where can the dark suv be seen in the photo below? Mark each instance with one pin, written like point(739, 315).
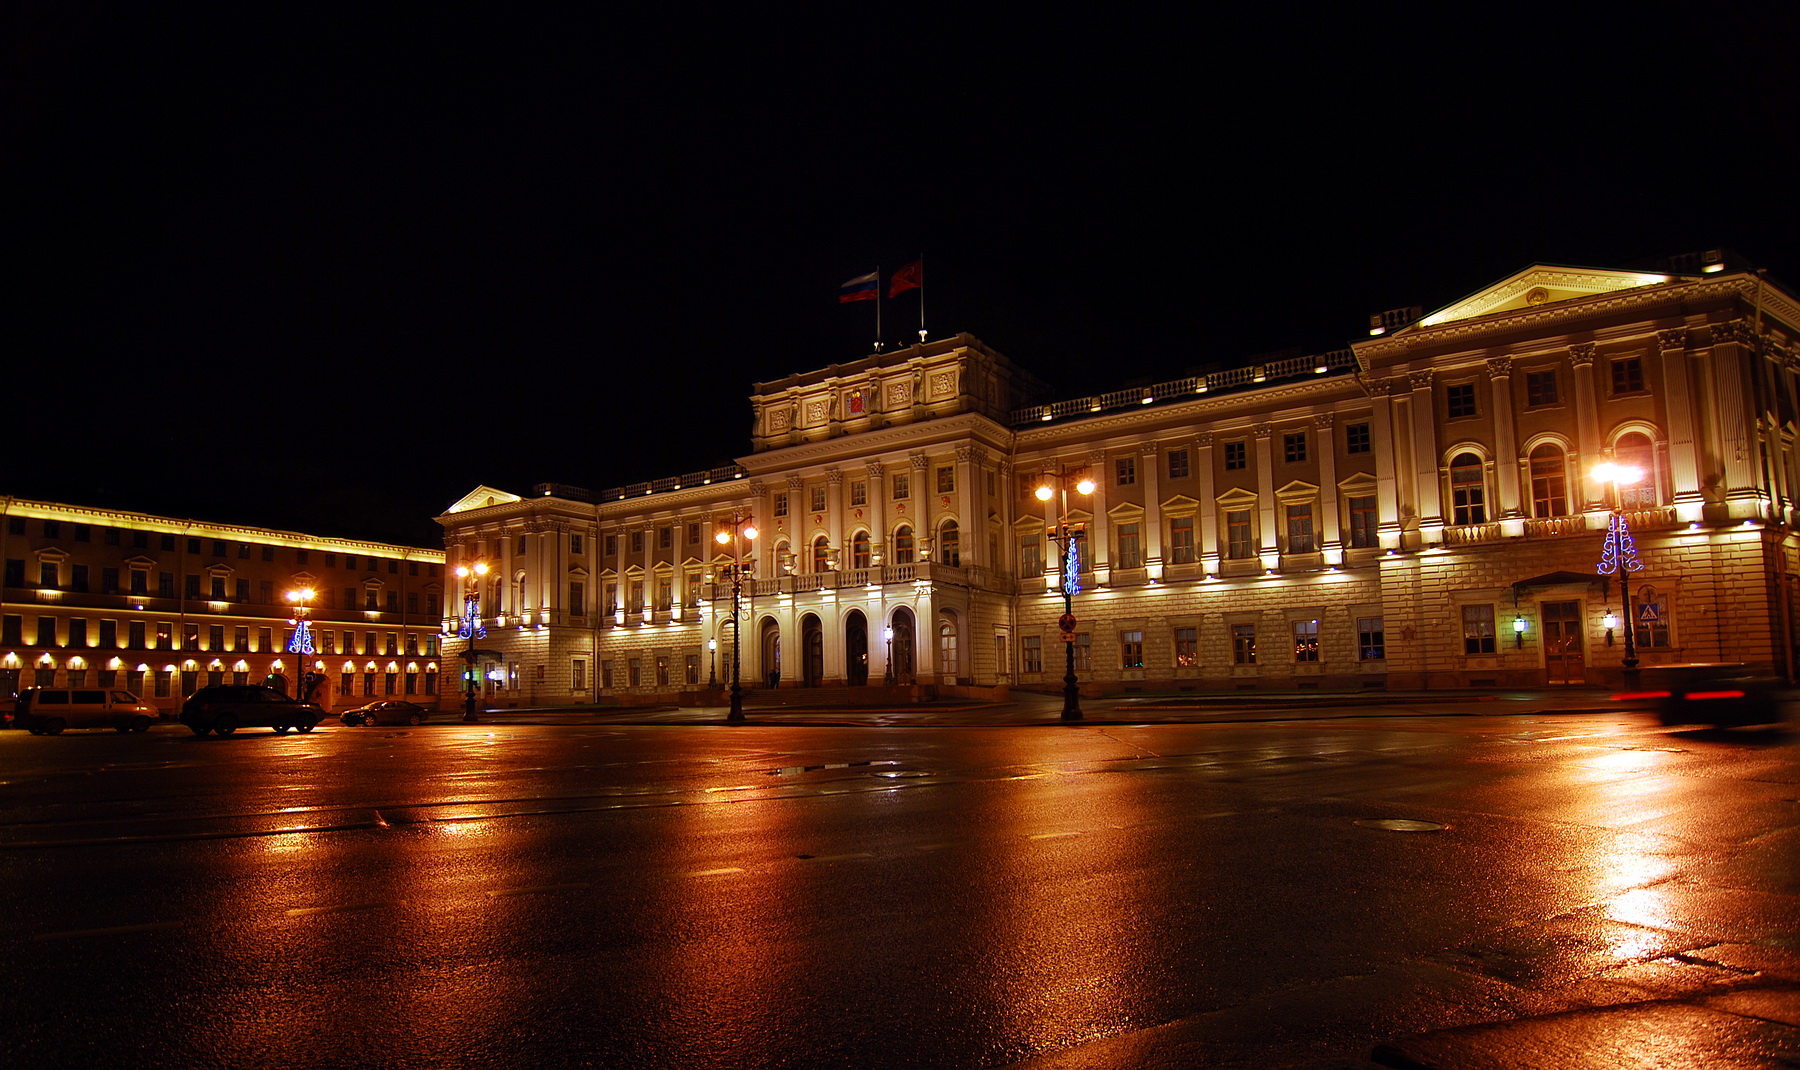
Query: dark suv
point(229, 707)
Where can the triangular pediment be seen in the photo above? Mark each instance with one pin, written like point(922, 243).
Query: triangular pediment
point(481, 498)
point(1540, 284)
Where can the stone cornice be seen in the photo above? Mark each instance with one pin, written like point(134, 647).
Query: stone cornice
point(899, 438)
point(1224, 408)
point(204, 529)
point(1570, 316)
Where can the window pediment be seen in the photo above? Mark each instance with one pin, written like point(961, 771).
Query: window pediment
point(1297, 491)
point(1237, 498)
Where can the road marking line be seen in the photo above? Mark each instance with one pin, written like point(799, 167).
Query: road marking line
point(336, 908)
point(838, 858)
point(713, 872)
point(113, 931)
point(1051, 835)
point(537, 889)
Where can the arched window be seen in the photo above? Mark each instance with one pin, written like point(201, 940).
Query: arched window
point(1634, 448)
point(1467, 494)
point(950, 544)
point(784, 561)
point(947, 648)
point(860, 554)
point(903, 545)
point(1549, 482)
point(821, 558)
point(521, 604)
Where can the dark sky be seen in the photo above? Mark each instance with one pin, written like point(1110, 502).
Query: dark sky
point(329, 268)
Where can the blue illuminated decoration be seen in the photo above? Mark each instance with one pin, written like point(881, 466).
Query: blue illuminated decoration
point(1620, 549)
point(470, 626)
point(301, 642)
point(1071, 583)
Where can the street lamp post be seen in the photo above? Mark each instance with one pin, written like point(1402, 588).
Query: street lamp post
point(1620, 555)
point(469, 626)
point(1069, 554)
point(742, 531)
point(300, 644)
point(887, 677)
point(712, 671)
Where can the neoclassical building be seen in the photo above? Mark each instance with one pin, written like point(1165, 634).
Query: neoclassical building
point(161, 606)
point(1417, 509)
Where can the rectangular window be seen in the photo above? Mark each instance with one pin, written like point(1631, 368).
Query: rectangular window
point(1540, 388)
point(240, 639)
point(1478, 629)
point(662, 670)
point(1131, 650)
point(218, 588)
point(611, 546)
point(859, 492)
point(664, 593)
point(637, 537)
point(78, 578)
point(1306, 640)
point(691, 669)
point(1031, 555)
point(1371, 644)
point(1363, 521)
point(902, 486)
point(1031, 649)
point(15, 572)
point(193, 587)
point(265, 639)
point(634, 672)
point(578, 674)
point(78, 633)
point(1627, 375)
point(1125, 471)
point(1300, 529)
point(1237, 456)
point(1181, 540)
point(47, 574)
point(665, 537)
point(109, 581)
point(1243, 644)
point(636, 605)
point(1238, 544)
point(369, 684)
point(46, 631)
point(268, 553)
point(578, 598)
point(1178, 464)
point(165, 635)
point(1459, 400)
point(109, 635)
point(162, 683)
point(1084, 652)
point(781, 504)
point(818, 499)
point(1187, 648)
point(1356, 438)
point(134, 634)
point(1130, 551)
point(1293, 446)
point(215, 637)
point(12, 630)
point(946, 479)
point(606, 675)
point(82, 533)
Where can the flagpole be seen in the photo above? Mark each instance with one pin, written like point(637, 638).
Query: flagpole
point(877, 308)
point(921, 298)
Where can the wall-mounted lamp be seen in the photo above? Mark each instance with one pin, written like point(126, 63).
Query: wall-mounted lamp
point(1610, 621)
point(1519, 632)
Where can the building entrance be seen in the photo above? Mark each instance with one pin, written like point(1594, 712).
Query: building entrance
point(1563, 658)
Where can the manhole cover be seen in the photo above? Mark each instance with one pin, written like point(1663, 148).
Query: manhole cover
point(1400, 824)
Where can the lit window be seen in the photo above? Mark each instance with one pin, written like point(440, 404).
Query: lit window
point(1363, 521)
point(1306, 640)
point(1549, 484)
point(1187, 648)
point(1478, 629)
point(1467, 492)
point(1243, 644)
point(1131, 650)
point(1371, 643)
point(1300, 529)
point(1181, 540)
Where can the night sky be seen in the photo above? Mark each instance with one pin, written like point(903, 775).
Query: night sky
point(329, 268)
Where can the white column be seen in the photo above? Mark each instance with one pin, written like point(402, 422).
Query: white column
point(1270, 546)
point(1331, 541)
point(1587, 425)
point(1506, 438)
point(1099, 540)
point(1425, 457)
point(1209, 506)
point(1150, 459)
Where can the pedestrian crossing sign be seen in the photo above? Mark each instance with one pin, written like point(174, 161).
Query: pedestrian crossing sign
point(1648, 613)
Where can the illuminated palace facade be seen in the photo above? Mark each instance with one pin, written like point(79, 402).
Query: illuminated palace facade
point(161, 606)
point(1419, 509)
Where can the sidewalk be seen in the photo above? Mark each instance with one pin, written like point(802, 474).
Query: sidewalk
point(1031, 708)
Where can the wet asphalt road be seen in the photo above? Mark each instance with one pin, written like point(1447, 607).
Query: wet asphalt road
point(638, 896)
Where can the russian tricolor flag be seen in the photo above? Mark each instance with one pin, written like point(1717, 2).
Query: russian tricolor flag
point(862, 288)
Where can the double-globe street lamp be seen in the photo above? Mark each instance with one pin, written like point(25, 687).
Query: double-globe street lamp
point(741, 533)
point(1069, 566)
point(1619, 555)
point(469, 626)
point(300, 641)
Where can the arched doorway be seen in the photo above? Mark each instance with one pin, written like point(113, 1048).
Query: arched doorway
point(856, 648)
point(903, 645)
point(771, 652)
point(812, 642)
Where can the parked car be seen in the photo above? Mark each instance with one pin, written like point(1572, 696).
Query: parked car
point(46, 711)
point(390, 711)
point(226, 708)
point(1712, 695)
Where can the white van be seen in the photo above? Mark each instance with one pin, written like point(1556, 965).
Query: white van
point(48, 710)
